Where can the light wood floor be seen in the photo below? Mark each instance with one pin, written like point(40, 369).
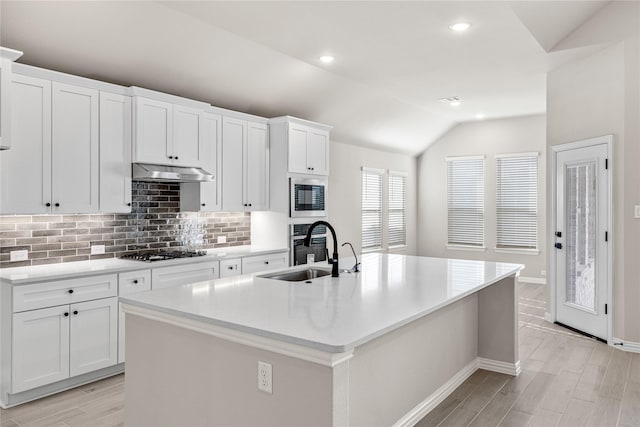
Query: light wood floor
point(567, 380)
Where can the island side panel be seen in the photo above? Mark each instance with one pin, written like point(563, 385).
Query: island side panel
point(498, 323)
point(391, 375)
point(175, 376)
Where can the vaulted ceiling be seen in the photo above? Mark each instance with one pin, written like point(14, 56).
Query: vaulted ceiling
point(394, 60)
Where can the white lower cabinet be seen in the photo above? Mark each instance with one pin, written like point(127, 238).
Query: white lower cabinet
point(129, 283)
point(230, 267)
point(52, 344)
point(177, 275)
point(40, 347)
point(256, 263)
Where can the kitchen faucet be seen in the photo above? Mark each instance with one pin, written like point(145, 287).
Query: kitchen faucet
point(334, 259)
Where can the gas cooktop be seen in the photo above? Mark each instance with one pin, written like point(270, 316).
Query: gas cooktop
point(162, 255)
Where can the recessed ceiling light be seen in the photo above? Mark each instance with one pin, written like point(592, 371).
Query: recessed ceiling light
point(327, 59)
point(460, 27)
point(454, 101)
point(479, 116)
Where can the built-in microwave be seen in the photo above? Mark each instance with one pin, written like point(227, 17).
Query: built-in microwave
point(308, 197)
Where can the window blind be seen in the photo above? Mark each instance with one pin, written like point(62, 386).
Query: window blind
point(465, 201)
point(397, 227)
point(371, 208)
point(516, 201)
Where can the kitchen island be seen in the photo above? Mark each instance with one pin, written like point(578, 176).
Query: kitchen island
point(378, 347)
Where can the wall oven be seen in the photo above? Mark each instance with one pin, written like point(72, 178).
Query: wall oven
point(308, 197)
point(318, 246)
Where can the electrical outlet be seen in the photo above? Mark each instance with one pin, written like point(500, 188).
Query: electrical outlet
point(264, 377)
point(97, 249)
point(636, 211)
point(543, 273)
point(19, 255)
point(222, 239)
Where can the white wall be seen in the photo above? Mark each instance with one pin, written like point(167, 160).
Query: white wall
point(345, 209)
point(600, 95)
point(490, 137)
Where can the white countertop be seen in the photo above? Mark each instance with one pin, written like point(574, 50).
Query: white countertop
point(330, 314)
point(39, 273)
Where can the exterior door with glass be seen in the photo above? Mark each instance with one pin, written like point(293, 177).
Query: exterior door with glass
point(582, 238)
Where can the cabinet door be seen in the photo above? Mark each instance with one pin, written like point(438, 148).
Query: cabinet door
point(115, 153)
point(256, 165)
point(74, 149)
point(5, 103)
point(211, 147)
point(298, 136)
point(186, 137)
point(40, 352)
point(318, 152)
point(94, 335)
point(233, 136)
point(166, 277)
point(153, 131)
point(27, 166)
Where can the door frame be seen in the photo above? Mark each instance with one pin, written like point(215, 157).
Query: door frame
point(555, 149)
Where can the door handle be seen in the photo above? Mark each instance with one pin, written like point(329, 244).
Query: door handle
point(558, 245)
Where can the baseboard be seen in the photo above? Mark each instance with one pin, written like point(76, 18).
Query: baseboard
point(534, 280)
point(423, 408)
point(498, 366)
point(630, 346)
point(412, 417)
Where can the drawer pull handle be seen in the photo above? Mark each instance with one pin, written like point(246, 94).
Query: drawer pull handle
point(70, 291)
point(230, 267)
point(66, 314)
point(135, 282)
point(75, 312)
point(266, 262)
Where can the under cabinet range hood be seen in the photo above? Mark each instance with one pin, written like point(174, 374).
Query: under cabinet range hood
point(164, 173)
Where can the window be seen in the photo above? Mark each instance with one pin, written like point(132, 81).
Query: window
point(465, 201)
point(397, 208)
point(371, 208)
point(516, 201)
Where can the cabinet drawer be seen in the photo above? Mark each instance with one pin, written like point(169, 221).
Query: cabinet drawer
point(256, 263)
point(134, 281)
point(230, 267)
point(59, 292)
point(166, 277)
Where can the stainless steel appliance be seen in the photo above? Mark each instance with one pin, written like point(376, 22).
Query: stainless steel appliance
point(307, 197)
point(162, 255)
point(318, 246)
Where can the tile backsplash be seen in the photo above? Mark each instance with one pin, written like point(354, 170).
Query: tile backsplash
point(155, 223)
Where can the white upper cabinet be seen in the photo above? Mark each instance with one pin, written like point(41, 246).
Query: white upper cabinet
point(256, 166)
point(245, 174)
point(74, 141)
point(206, 196)
point(115, 153)
point(308, 150)
point(168, 133)
point(25, 169)
point(53, 167)
point(153, 138)
point(304, 145)
point(7, 56)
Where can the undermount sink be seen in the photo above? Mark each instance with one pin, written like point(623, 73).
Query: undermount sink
point(298, 275)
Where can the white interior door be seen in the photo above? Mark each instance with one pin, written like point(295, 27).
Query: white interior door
point(581, 238)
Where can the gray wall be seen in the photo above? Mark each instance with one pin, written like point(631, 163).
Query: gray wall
point(600, 95)
point(490, 137)
point(345, 192)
